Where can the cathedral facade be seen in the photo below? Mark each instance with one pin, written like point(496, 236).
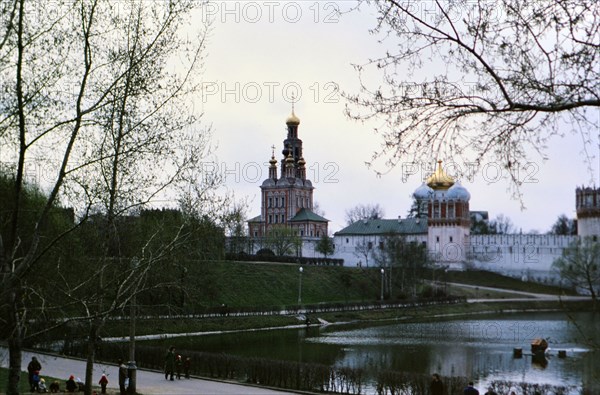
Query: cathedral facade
point(287, 196)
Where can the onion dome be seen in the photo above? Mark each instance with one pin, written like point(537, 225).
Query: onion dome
point(273, 161)
point(440, 180)
point(301, 162)
point(423, 192)
point(269, 182)
point(292, 119)
point(289, 160)
point(458, 192)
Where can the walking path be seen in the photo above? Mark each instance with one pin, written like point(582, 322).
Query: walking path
point(527, 296)
point(148, 382)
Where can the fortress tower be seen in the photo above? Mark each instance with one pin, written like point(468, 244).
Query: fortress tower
point(587, 203)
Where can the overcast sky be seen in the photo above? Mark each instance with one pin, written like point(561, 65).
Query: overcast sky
point(262, 53)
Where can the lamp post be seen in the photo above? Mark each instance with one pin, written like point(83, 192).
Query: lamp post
point(300, 270)
point(382, 274)
point(131, 367)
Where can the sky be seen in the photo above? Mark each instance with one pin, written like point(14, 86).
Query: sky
point(264, 54)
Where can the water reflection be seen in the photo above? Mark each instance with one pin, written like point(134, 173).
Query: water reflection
point(480, 348)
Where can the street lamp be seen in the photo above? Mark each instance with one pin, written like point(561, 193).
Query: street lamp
point(382, 274)
point(300, 270)
point(132, 368)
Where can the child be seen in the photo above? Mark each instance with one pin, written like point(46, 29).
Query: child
point(103, 382)
point(186, 367)
point(55, 387)
point(71, 384)
point(178, 365)
point(42, 385)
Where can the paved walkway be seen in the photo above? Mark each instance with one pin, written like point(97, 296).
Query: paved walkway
point(148, 382)
point(526, 296)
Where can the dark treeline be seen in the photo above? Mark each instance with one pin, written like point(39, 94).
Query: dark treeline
point(84, 265)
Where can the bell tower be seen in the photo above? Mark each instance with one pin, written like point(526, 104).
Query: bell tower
point(448, 220)
point(287, 200)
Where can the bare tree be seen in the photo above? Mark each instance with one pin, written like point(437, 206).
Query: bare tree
point(501, 225)
point(481, 79)
point(409, 258)
point(316, 208)
point(564, 226)
point(579, 265)
point(364, 211)
point(364, 250)
point(95, 90)
point(283, 240)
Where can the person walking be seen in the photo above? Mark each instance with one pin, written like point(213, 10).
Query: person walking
point(170, 363)
point(187, 364)
point(103, 383)
point(437, 386)
point(122, 377)
point(470, 390)
point(178, 366)
point(491, 391)
point(33, 366)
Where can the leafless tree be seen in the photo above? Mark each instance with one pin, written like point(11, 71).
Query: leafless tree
point(96, 95)
point(501, 225)
point(481, 79)
point(364, 250)
point(364, 212)
point(579, 265)
point(283, 240)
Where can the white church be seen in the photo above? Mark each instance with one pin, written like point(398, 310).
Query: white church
point(446, 233)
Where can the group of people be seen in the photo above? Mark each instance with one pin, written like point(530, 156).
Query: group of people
point(437, 388)
point(175, 364)
point(38, 384)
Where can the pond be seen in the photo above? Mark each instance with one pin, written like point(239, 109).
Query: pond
point(480, 348)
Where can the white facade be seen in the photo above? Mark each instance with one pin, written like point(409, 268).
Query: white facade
point(446, 232)
point(525, 256)
point(361, 250)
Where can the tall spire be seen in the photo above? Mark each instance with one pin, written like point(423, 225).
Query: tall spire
point(273, 164)
point(293, 119)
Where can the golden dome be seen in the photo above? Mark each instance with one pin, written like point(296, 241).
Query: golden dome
point(440, 180)
point(289, 161)
point(301, 161)
point(292, 119)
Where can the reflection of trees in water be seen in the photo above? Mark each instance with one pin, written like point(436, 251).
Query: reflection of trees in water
point(471, 348)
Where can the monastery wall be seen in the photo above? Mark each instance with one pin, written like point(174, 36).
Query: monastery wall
point(525, 256)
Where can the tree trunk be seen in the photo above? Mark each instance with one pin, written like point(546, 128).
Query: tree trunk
point(15, 348)
point(91, 355)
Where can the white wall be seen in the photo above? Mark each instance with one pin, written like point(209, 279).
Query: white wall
point(519, 255)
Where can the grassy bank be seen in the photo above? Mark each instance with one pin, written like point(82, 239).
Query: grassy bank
point(247, 284)
point(267, 285)
point(370, 317)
